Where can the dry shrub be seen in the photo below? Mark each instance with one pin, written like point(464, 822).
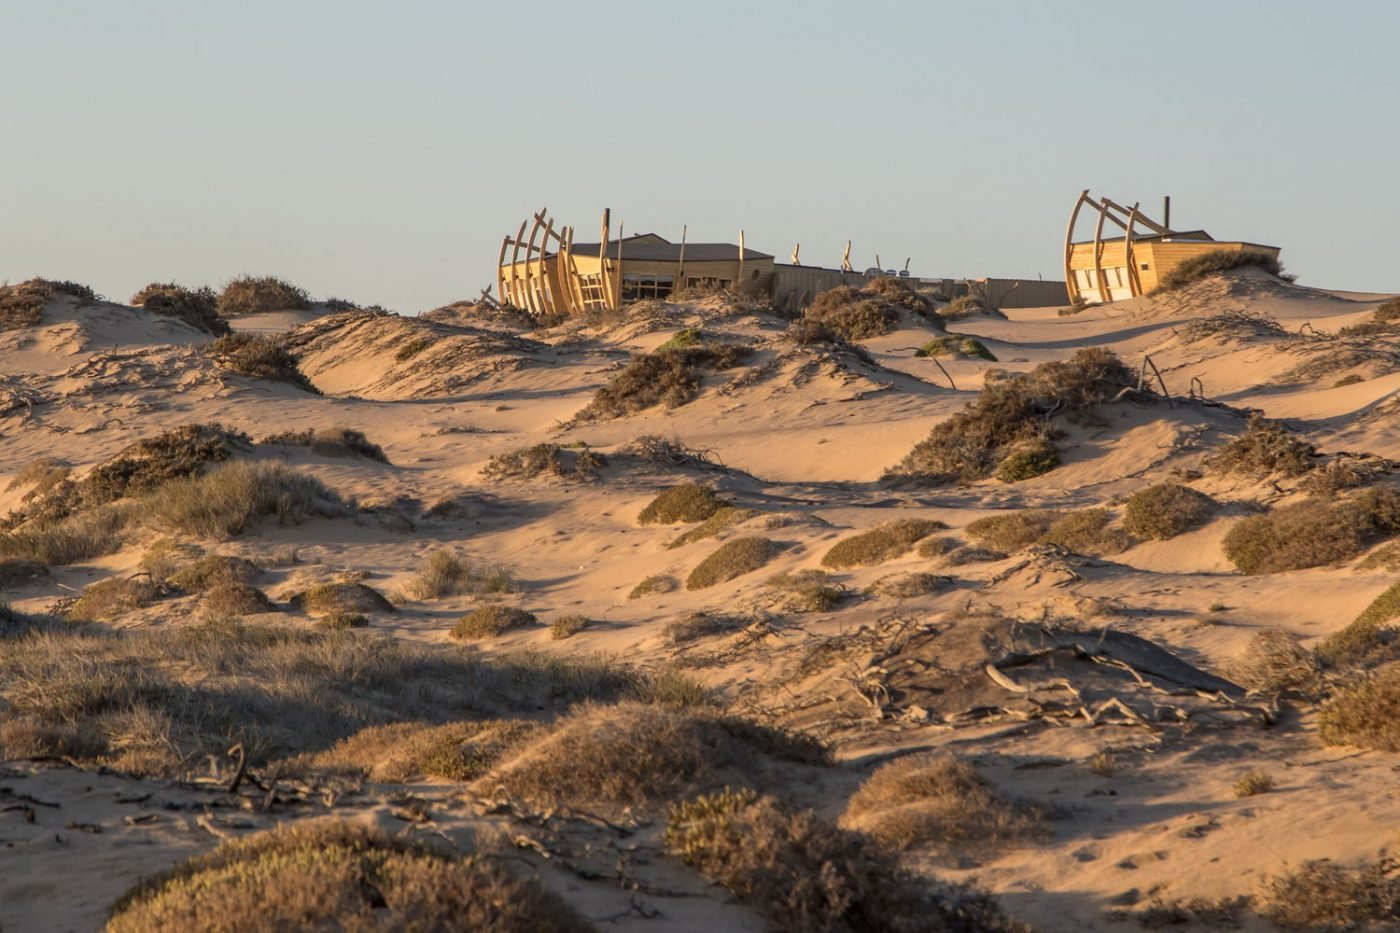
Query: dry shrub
point(577, 463)
point(202, 574)
point(937, 801)
point(258, 357)
point(1013, 531)
point(1034, 458)
point(1275, 662)
point(330, 442)
point(733, 559)
point(881, 543)
point(327, 598)
point(803, 874)
point(78, 537)
point(665, 377)
point(40, 476)
point(686, 502)
point(114, 597)
point(1386, 311)
point(408, 751)
point(229, 599)
point(1217, 261)
point(197, 307)
point(1321, 895)
point(964, 306)
point(636, 755)
point(1366, 715)
point(1254, 783)
point(667, 452)
point(1313, 533)
point(656, 583)
point(448, 574)
point(1264, 448)
point(330, 874)
point(1367, 632)
point(337, 621)
point(250, 294)
point(1166, 510)
point(722, 520)
point(491, 620)
point(1088, 531)
point(953, 345)
point(933, 548)
point(910, 585)
point(412, 348)
point(567, 626)
point(853, 314)
point(808, 591)
point(1386, 557)
point(1344, 471)
point(694, 626)
point(1011, 413)
point(23, 305)
point(228, 499)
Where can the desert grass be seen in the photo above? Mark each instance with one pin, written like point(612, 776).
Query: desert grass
point(1166, 510)
point(722, 520)
point(114, 597)
point(1010, 414)
point(731, 560)
point(1217, 261)
point(964, 306)
point(197, 307)
point(808, 591)
point(330, 442)
point(801, 873)
point(22, 305)
point(941, 803)
point(910, 585)
point(331, 874)
point(638, 755)
point(1088, 531)
point(656, 583)
point(577, 463)
point(1366, 714)
point(231, 599)
point(1366, 633)
point(1253, 783)
point(884, 542)
point(1274, 661)
point(249, 294)
point(491, 620)
point(228, 499)
point(258, 357)
point(694, 626)
point(40, 476)
point(1321, 895)
point(684, 502)
point(408, 751)
point(412, 348)
point(1013, 530)
point(1314, 532)
point(340, 596)
point(1265, 448)
point(78, 537)
point(568, 625)
point(202, 574)
point(666, 377)
point(448, 574)
point(934, 548)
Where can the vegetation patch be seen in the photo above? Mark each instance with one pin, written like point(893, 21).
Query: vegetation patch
point(1166, 510)
point(808, 591)
point(326, 598)
point(1265, 448)
point(937, 801)
point(665, 377)
point(231, 600)
point(330, 442)
point(448, 574)
point(40, 476)
point(1366, 633)
point(1088, 531)
point(249, 294)
point(1323, 895)
point(1217, 261)
point(686, 502)
point(258, 357)
point(694, 626)
point(197, 307)
point(656, 583)
point(722, 520)
point(338, 875)
point(69, 540)
point(22, 305)
point(1010, 414)
point(491, 620)
point(1313, 533)
point(1254, 783)
point(883, 542)
point(206, 572)
point(575, 463)
point(1034, 458)
point(408, 751)
point(953, 345)
point(853, 314)
point(227, 500)
point(1275, 662)
point(733, 559)
point(1014, 530)
point(934, 548)
point(802, 874)
point(112, 598)
point(412, 348)
point(1366, 715)
point(567, 626)
point(910, 585)
point(964, 306)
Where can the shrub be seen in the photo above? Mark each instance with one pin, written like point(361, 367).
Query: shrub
point(197, 307)
point(933, 548)
point(881, 543)
point(733, 559)
point(686, 502)
point(227, 500)
point(491, 620)
point(1035, 458)
point(208, 572)
point(722, 520)
point(1254, 783)
point(346, 597)
point(1088, 531)
point(529, 462)
point(17, 573)
point(412, 348)
point(656, 583)
point(1274, 661)
point(805, 332)
point(909, 585)
point(953, 345)
point(230, 599)
point(803, 874)
point(1265, 448)
point(338, 875)
point(1010, 414)
point(23, 305)
point(694, 626)
point(338, 621)
point(1351, 380)
point(685, 337)
point(448, 574)
point(1312, 533)
point(567, 626)
point(40, 475)
point(258, 357)
point(939, 801)
point(1166, 510)
point(1366, 715)
point(407, 751)
point(665, 377)
point(112, 598)
point(330, 442)
point(1366, 633)
point(1014, 530)
point(249, 294)
point(853, 314)
point(1216, 262)
point(964, 306)
point(635, 755)
point(808, 591)
point(1386, 311)
point(1321, 895)
point(78, 537)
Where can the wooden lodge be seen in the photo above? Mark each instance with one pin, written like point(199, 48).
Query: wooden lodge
point(1133, 263)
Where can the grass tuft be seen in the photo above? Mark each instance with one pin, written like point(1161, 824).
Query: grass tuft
point(448, 574)
point(491, 620)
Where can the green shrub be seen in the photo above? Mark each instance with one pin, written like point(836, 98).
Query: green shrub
point(578, 463)
point(953, 345)
point(197, 307)
point(448, 574)
point(881, 543)
point(330, 442)
point(686, 502)
point(1366, 715)
point(1216, 262)
point(1088, 531)
point(1312, 533)
point(491, 620)
point(1036, 458)
point(656, 583)
point(685, 337)
point(733, 559)
point(1166, 510)
point(1264, 448)
point(228, 499)
point(964, 306)
point(249, 294)
point(664, 377)
point(722, 520)
point(1366, 633)
point(258, 357)
point(852, 314)
point(1014, 530)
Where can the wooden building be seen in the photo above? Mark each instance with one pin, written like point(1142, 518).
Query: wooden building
point(1132, 263)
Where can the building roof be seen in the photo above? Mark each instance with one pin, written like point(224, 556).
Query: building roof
point(1176, 236)
point(648, 247)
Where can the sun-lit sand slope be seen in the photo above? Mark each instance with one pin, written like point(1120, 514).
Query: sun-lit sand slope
point(1097, 677)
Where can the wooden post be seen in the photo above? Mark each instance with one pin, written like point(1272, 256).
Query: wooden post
point(846, 258)
point(1070, 284)
point(604, 280)
point(1100, 283)
point(741, 259)
point(617, 292)
point(680, 264)
point(501, 270)
point(796, 253)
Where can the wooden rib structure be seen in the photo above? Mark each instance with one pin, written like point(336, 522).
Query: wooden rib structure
point(541, 275)
point(1126, 219)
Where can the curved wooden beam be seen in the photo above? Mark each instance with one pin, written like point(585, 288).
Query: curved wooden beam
point(547, 297)
point(501, 270)
point(1098, 254)
point(846, 259)
point(1070, 284)
point(1134, 280)
point(515, 264)
point(531, 304)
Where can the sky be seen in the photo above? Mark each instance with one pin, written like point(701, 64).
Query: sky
point(379, 151)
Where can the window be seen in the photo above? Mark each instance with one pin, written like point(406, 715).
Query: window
point(643, 287)
point(1144, 267)
point(706, 282)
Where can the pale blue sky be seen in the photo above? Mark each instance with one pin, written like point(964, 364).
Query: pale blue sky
point(379, 151)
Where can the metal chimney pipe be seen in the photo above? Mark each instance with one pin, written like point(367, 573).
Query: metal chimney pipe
point(1167, 212)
